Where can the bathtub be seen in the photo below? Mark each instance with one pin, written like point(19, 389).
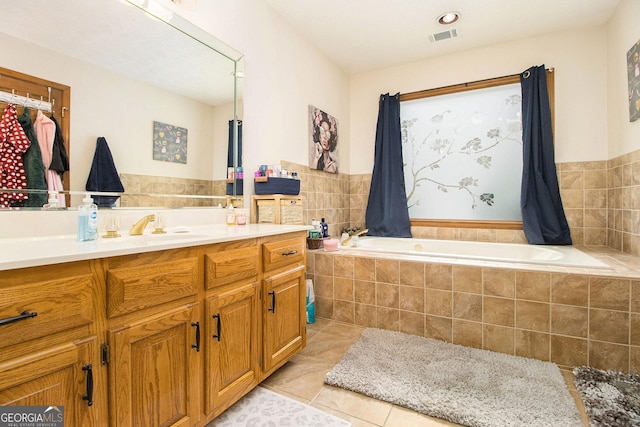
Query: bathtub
point(567, 256)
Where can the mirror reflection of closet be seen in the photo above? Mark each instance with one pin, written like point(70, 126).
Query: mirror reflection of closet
point(39, 96)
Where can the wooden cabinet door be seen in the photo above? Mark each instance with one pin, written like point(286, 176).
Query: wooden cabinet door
point(154, 371)
point(284, 319)
point(60, 376)
point(232, 346)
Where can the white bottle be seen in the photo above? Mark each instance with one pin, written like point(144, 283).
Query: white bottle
point(87, 220)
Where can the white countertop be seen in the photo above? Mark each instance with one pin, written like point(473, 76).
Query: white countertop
point(19, 252)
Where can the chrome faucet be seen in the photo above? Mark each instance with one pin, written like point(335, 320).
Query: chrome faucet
point(138, 228)
point(346, 241)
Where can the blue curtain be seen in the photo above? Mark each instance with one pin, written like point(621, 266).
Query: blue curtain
point(543, 217)
point(239, 182)
point(387, 212)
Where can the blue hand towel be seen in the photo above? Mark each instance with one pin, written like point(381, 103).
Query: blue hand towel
point(103, 175)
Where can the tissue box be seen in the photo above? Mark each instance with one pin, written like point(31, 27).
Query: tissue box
point(270, 185)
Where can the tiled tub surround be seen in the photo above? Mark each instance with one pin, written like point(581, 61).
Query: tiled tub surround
point(141, 185)
point(565, 315)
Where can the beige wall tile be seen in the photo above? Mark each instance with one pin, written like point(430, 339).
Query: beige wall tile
point(343, 311)
point(634, 325)
point(532, 344)
point(635, 296)
point(569, 351)
point(412, 273)
point(438, 276)
point(439, 328)
point(364, 292)
point(343, 266)
point(608, 325)
point(388, 318)
point(323, 307)
point(412, 323)
point(365, 315)
point(467, 279)
point(634, 360)
point(498, 338)
point(533, 315)
point(364, 269)
point(500, 283)
point(412, 299)
point(608, 356)
point(467, 333)
point(569, 320)
point(609, 293)
point(324, 264)
point(570, 289)
point(533, 286)
point(439, 302)
point(343, 288)
point(387, 271)
point(498, 311)
point(387, 295)
point(467, 306)
point(323, 286)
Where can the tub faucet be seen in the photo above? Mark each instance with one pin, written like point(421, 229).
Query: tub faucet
point(346, 241)
point(138, 228)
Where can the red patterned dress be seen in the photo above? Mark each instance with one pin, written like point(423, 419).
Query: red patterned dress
point(13, 143)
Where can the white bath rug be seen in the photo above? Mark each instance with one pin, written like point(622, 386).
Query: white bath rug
point(468, 386)
point(264, 408)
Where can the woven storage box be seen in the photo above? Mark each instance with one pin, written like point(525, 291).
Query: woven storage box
point(277, 186)
point(314, 243)
point(276, 209)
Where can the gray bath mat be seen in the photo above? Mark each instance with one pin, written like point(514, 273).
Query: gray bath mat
point(610, 398)
point(472, 387)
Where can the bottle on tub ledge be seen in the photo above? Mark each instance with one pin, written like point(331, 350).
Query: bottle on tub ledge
point(324, 228)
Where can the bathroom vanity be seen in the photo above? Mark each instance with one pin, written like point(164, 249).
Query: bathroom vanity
point(149, 330)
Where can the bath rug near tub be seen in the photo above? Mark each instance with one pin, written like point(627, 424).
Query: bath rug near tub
point(468, 386)
point(610, 398)
point(264, 408)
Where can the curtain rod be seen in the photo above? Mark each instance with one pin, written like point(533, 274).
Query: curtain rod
point(25, 101)
point(512, 78)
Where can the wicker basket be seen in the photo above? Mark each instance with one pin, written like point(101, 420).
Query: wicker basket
point(314, 243)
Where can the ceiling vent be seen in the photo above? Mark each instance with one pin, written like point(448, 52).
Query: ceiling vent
point(443, 35)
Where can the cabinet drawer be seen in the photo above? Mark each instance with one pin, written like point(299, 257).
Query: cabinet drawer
point(226, 263)
point(59, 297)
point(282, 253)
point(146, 280)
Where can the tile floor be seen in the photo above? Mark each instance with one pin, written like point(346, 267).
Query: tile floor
point(302, 378)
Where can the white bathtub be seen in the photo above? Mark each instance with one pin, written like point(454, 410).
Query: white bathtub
point(499, 252)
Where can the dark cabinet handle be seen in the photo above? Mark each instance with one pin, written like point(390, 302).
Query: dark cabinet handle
point(273, 302)
point(89, 395)
point(23, 316)
point(197, 344)
point(291, 252)
point(217, 335)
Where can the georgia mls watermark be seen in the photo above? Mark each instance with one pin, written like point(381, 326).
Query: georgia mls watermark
point(31, 416)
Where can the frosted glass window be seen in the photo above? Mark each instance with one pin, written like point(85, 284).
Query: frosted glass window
point(463, 154)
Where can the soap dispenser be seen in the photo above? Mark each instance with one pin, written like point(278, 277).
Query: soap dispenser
point(87, 220)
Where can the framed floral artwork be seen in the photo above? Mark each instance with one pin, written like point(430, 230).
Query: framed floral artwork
point(169, 143)
point(323, 133)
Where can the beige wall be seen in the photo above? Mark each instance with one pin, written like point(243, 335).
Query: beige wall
point(622, 33)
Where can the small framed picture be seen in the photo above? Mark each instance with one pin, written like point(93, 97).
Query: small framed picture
point(323, 135)
point(169, 143)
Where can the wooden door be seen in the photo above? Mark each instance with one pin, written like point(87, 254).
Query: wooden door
point(284, 320)
point(61, 376)
point(154, 375)
point(232, 346)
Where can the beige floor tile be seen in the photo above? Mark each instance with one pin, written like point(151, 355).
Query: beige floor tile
point(357, 405)
point(401, 417)
point(300, 378)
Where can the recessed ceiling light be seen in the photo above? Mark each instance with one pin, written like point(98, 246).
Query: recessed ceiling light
point(448, 18)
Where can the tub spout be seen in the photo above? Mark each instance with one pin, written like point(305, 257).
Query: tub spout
point(346, 241)
point(138, 228)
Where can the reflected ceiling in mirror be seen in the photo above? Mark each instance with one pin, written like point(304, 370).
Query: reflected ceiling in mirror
point(120, 36)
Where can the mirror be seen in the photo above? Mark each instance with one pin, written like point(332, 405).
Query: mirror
point(137, 71)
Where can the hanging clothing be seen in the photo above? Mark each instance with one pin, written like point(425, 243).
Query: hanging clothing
point(59, 157)
point(387, 213)
point(103, 175)
point(13, 143)
point(33, 166)
point(46, 132)
point(543, 218)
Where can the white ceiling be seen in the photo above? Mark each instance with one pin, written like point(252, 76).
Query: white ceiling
point(364, 35)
